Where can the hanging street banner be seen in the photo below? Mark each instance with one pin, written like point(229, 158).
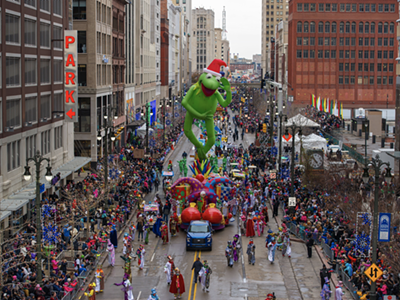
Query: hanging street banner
point(384, 227)
point(71, 75)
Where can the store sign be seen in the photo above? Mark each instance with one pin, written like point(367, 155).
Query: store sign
point(71, 75)
point(292, 201)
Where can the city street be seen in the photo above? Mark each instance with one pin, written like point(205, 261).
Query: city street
point(295, 278)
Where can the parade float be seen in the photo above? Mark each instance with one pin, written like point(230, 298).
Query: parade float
point(203, 198)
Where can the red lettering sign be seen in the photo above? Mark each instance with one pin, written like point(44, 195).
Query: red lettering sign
point(70, 61)
point(69, 78)
point(69, 96)
point(69, 40)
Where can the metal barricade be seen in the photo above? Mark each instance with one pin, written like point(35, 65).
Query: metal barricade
point(348, 284)
point(327, 250)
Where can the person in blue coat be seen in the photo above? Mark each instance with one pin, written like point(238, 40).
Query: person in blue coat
point(114, 236)
point(157, 226)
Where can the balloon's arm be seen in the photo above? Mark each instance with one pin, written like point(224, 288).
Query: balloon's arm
point(222, 102)
point(227, 88)
point(188, 107)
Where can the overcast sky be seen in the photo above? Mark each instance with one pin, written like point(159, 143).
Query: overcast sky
point(243, 23)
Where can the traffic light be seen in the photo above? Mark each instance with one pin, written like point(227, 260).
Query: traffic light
point(264, 128)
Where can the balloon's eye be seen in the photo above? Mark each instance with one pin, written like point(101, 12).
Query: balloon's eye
point(209, 76)
point(218, 79)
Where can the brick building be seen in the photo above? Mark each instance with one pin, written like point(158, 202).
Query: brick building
point(344, 50)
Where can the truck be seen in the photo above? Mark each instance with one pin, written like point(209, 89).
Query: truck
point(199, 235)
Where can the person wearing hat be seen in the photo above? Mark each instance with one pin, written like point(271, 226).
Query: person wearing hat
point(339, 291)
point(111, 253)
point(205, 276)
point(286, 249)
point(229, 254)
point(169, 268)
point(326, 291)
point(127, 288)
point(99, 275)
point(251, 252)
point(164, 232)
point(153, 295)
point(272, 248)
point(114, 236)
point(177, 286)
point(140, 252)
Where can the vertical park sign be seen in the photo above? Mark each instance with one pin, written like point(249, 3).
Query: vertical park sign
point(71, 75)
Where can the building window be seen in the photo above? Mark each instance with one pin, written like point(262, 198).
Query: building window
point(320, 41)
point(385, 54)
point(347, 27)
point(58, 71)
point(298, 54)
point(299, 41)
point(320, 54)
point(384, 79)
point(58, 137)
point(13, 155)
point(391, 42)
point(45, 142)
point(30, 3)
point(333, 41)
point(341, 41)
point(312, 54)
point(30, 71)
point(372, 42)
point(299, 7)
point(45, 71)
point(82, 75)
point(305, 41)
point(30, 146)
point(360, 54)
point(312, 27)
point(306, 7)
point(312, 41)
point(30, 32)
point(379, 54)
point(45, 5)
point(79, 9)
point(341, 27)
point(390, 67)
point(328, 7)
point(340, 79)
point(58, 35)
point(299, 26)
point(13, 71)
point(312, 6)
point(385, 27)
point(346, 79)
point(390, 80)
point(31, 109)
point(327, 26)
point(391, 53)
point(347, 41)
point(13, 113)
point(305, 27)
point(57, 7)
point(334, 7)
point(360, 27)
point(340, 67)
point(365, 67)
point(305, 53)
point(326, 41)
point(372, 67)
point(372, 54)
point(45, 35)
point(45, 108)
point(333, 54)
point(379, 41)
point(353, 54)
point(352, 67)
point(13, 29)
point(360, 67)
point(380, 25)
point(378, 80)
point(380, 7)
point(84, 120)
point(321, 7)
point(385, 41)
point(391, 28)
point(360, 41)
point(320, 27)
point(82, 42)
point(341, 54)
point(58, 103)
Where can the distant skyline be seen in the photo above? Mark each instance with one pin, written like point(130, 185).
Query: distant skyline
point(243, 23)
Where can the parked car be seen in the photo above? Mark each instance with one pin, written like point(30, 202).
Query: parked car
point(199, 235)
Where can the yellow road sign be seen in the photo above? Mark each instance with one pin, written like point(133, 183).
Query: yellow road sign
point(373, 272)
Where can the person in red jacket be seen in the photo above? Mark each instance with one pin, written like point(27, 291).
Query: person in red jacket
point(250, 227)
point(177, 286)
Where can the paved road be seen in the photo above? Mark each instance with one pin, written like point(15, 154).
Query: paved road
point(297, 278)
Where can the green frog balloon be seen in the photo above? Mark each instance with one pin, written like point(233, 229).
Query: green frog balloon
point(201, 103)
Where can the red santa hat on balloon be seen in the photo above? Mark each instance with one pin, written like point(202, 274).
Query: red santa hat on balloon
point(215, 67)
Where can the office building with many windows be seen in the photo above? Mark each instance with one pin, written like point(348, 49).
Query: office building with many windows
point(32, 114)
point(344, 50)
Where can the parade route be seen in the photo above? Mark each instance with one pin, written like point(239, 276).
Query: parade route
point(295, 278)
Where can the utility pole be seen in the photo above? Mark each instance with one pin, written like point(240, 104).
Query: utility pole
point(293, 128)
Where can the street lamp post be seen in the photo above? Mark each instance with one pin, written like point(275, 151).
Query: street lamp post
point(293, 128)
point(38, 159)
point(366, 123)
point(281, 116)
point(108, 135)
point(376, 164)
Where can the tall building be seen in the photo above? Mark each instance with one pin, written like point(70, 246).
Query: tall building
point(174, 48)
point(272, 14)
point(203, 42)
point(32, 99)
point(281, 45)
point(132, 58)
point(155, 39)
point(94, 22)
point(221, 46)
point(344, 51)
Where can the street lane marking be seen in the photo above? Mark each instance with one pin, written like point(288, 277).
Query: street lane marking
point(195, 285)
point(152, 257)
point(191, 278)
point(138, 297)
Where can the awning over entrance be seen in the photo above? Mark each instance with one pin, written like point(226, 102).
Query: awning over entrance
point(22, 197)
